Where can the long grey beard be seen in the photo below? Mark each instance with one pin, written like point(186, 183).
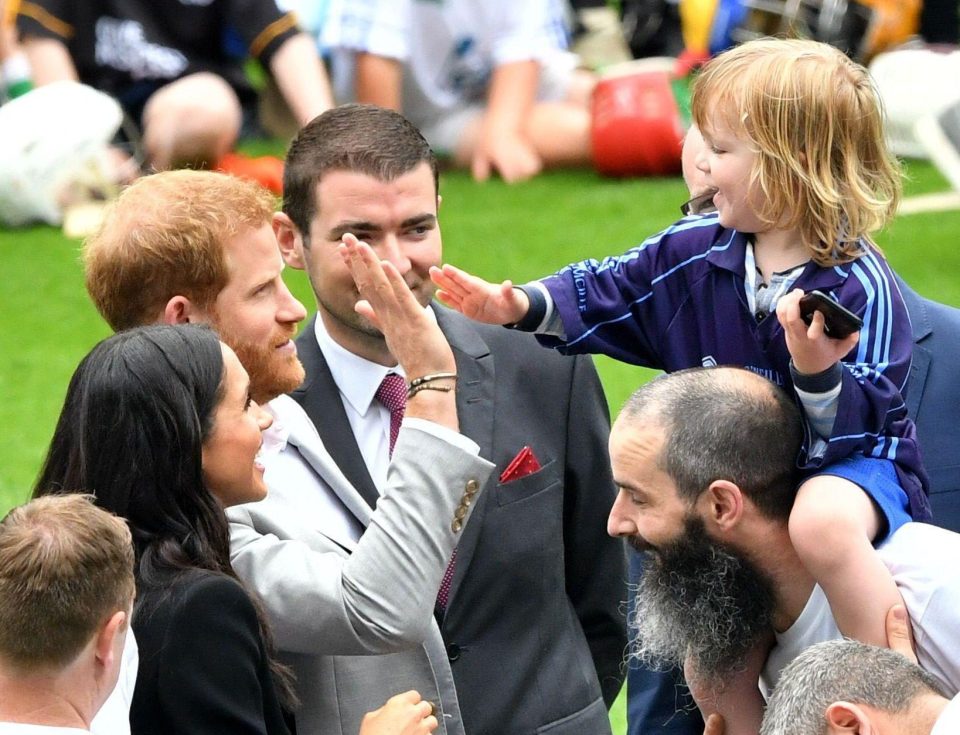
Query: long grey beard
point(698, 600)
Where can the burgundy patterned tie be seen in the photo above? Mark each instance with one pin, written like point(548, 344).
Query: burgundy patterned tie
point(392, 393)
point(444, 593)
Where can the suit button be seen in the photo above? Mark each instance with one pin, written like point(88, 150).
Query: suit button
point(453, 652)
point(472, 487)
point(460, 513)
point(760, 316)
point(456, 525)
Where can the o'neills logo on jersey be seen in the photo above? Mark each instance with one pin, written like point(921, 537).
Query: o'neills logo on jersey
point(771, 375)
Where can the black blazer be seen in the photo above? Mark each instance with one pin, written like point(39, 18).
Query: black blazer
point(534, 626)
point(203, 665)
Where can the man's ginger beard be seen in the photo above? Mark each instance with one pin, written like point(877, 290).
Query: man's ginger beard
point(271, 373)
point(699, 600)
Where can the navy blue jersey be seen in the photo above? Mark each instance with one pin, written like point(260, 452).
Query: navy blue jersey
point(678, 301)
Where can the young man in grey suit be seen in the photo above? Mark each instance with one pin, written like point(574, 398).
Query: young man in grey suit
point(529, 609)
point(196, 246)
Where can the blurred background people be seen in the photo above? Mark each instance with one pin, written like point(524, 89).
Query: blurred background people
point(15, 76)
point(490, 85)
point(66, 590)
point(177, 68)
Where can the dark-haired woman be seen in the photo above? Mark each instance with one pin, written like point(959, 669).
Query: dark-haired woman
point(159, 425)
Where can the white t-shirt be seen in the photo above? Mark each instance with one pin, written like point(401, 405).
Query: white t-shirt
point(949, 721)
point(450, 47)
point(925, 563)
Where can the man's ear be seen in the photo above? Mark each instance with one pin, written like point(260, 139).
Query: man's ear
point(181, 310)
point(847, 718)
point(289, 240)
point(722, 504)
point(106, 648)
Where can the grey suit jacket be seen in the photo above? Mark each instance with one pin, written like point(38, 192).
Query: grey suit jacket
point(354, 619)
point(534, 622)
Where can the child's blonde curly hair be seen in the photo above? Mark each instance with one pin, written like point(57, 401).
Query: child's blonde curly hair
point(816, 120)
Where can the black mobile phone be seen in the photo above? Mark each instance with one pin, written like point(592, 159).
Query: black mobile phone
point(838, 321)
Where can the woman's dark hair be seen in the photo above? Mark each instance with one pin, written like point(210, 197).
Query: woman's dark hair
point(131, 433)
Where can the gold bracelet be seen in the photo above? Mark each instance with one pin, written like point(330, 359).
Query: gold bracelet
point(430, 378)
point(426, 386)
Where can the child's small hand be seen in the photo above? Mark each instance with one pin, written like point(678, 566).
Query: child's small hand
point(810, 347)
point(478, 299)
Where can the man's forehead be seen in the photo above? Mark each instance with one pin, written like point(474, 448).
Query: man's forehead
point(632, 433)
point(252, 252)
point(359, 187)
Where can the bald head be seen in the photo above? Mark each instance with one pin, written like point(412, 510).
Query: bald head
point(722, 423)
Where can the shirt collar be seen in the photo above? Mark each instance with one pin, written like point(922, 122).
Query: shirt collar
point(356, 377)
point(274, 437)
point(729, 252)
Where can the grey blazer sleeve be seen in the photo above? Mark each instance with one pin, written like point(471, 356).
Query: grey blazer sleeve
point(379, 598)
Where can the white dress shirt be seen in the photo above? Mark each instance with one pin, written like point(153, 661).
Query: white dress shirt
point(358, 380)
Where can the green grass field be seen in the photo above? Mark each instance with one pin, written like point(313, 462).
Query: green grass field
point(494, 230)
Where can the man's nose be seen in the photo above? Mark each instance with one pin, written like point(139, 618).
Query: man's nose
point(291, 310)
point(393, 251)
point(619, 522)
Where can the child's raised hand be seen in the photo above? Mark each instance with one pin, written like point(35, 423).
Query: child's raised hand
point(810, 347)
point(478, 299)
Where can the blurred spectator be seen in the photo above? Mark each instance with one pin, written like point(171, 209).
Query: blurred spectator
point(14, 67)
point(172, 67)
point(940, 21)
point(66, 589)
point(488, 84)
point(598, 34)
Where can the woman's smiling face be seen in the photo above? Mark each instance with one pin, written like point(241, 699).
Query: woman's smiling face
point(231, 469)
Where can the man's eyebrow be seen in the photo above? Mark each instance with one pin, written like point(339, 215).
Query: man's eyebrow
point(358, 226)
point(420, 219)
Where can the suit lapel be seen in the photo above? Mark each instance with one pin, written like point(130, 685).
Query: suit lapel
point(313, 451)
point(919, 367)
point(476, 381)
point(920, 364)
point(321, 399)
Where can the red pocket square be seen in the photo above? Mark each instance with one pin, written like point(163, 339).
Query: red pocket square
point(525, 463)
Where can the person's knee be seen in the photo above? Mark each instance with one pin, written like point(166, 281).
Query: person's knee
point(194, 120)
point(828, 515)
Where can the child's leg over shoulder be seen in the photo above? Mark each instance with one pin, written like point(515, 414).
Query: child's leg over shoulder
point(836, 518)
